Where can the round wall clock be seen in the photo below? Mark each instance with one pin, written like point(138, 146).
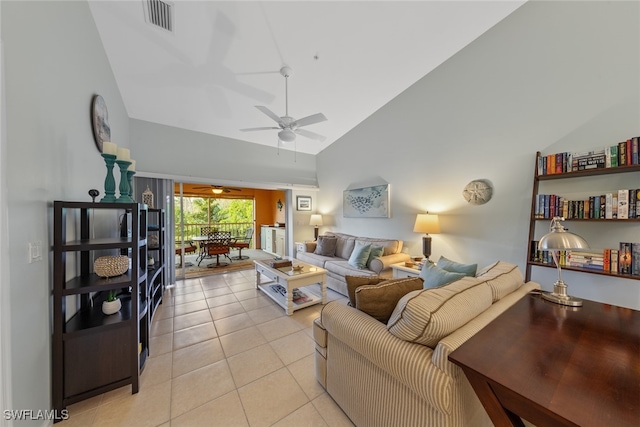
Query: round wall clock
point(100, 121)
point(478, 192)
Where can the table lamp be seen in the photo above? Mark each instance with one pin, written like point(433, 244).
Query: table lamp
point(316, 221)
point(559, 239)
point(427, 223)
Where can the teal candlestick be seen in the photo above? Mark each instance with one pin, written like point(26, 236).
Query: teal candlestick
point(109, 181)
point(130, 174)
point(124, 182)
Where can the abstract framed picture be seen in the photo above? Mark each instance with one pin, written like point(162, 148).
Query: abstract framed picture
point(303, 203)
point(367, 202)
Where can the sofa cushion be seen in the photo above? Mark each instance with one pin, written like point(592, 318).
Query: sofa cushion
point(456, 267)
point(390, 246)
point(376, 251)
point(326, 246)
point(426, 316)
point(434, 276)
point(342, 268)
point(503, 278)
point(360, 255)
point(345, 245)
point(379, 300)
point(354, 282)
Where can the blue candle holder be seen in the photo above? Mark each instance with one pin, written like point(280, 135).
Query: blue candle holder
point(124, 182)
point(109, 181)
point(130, 174)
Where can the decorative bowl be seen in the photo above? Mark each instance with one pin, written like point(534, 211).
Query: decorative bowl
point(408, 264)
point(111, 265)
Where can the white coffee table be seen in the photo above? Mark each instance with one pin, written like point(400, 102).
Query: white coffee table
point(283, 282)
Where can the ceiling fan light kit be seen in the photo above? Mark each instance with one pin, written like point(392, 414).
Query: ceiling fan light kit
point(288, 126)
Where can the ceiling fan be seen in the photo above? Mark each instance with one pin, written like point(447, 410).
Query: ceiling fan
point(217, 189)
point(287, 125)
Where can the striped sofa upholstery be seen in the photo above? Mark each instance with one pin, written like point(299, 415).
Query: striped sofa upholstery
point(380, 379)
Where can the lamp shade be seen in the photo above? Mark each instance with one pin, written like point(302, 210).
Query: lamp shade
point(427, 223)
point(316, 220)
point(560, 239)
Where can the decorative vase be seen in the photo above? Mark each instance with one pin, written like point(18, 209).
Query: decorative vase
point(111, 307)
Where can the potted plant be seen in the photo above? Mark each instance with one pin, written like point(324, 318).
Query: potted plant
point(112, 304)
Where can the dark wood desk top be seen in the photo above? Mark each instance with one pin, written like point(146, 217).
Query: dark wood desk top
point(557, 365)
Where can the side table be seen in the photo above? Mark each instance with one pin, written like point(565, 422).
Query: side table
point(401, 271)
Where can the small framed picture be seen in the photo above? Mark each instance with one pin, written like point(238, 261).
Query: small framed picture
point(303, 203)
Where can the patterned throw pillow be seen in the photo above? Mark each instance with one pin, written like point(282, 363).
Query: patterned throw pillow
point(360, 255)
point(434, 276)
point(326, 246)
point(456, 267)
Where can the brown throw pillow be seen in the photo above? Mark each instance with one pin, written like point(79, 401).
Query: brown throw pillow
point(353, 282)
point(326, 246)
point(379, 300)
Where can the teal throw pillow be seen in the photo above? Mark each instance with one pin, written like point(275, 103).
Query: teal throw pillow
point(376, 251)
point(434, 276)
point(456, 267)
point(360, 255)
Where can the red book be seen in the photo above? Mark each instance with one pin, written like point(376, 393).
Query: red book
point(607, 260)
point(629, 152)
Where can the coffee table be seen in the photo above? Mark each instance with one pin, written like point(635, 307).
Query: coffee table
point(285, 282)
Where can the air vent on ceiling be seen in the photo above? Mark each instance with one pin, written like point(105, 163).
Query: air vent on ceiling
point(159, 13)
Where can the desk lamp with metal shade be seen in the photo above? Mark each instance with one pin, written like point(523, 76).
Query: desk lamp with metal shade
point(316, 221)
point(559, 239)
point(426, 223)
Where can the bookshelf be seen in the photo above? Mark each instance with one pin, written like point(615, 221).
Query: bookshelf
point(93, 353)
point(600, 229)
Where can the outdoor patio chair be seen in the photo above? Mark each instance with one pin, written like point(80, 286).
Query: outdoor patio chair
point(189, 248)
point(217, 244)
point(241, 243)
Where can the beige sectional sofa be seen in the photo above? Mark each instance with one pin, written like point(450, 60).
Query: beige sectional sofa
point(398, 374)
point(337, 264)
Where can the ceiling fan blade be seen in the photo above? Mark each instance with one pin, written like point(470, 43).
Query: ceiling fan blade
point(269, 113)
point(309, 120)
point(309, 134)
point(261, 128)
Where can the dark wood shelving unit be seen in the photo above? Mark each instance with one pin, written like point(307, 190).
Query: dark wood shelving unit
point(534, 221)
point(93, 352)
point(157, 272)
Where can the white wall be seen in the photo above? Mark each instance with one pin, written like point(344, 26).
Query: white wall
point(171, 151)
point(54, 64)
point(542, 79)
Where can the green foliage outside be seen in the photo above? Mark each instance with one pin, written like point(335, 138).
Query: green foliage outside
point(198, 210)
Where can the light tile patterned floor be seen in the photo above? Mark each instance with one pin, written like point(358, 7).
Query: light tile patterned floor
point(222, 354)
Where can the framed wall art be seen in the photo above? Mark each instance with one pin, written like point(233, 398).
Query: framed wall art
point(303, 203)
point(368, 202)
point(100, 121)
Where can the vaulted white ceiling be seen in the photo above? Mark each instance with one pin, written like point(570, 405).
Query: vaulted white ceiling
point(349, 58)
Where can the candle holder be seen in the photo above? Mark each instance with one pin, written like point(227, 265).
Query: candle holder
point(130, 174)
point(124, 182)
point(109, 181)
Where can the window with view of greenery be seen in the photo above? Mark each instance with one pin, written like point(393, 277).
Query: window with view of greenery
point(237, 214)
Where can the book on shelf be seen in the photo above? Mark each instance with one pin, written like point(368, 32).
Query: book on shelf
point(635, 259)
point(623, 204)
point(614, 260)
point(624, 258)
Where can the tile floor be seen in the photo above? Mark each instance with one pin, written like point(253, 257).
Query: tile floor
point(222, 354)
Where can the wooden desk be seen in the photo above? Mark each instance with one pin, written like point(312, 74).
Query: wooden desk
point(557, 366)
